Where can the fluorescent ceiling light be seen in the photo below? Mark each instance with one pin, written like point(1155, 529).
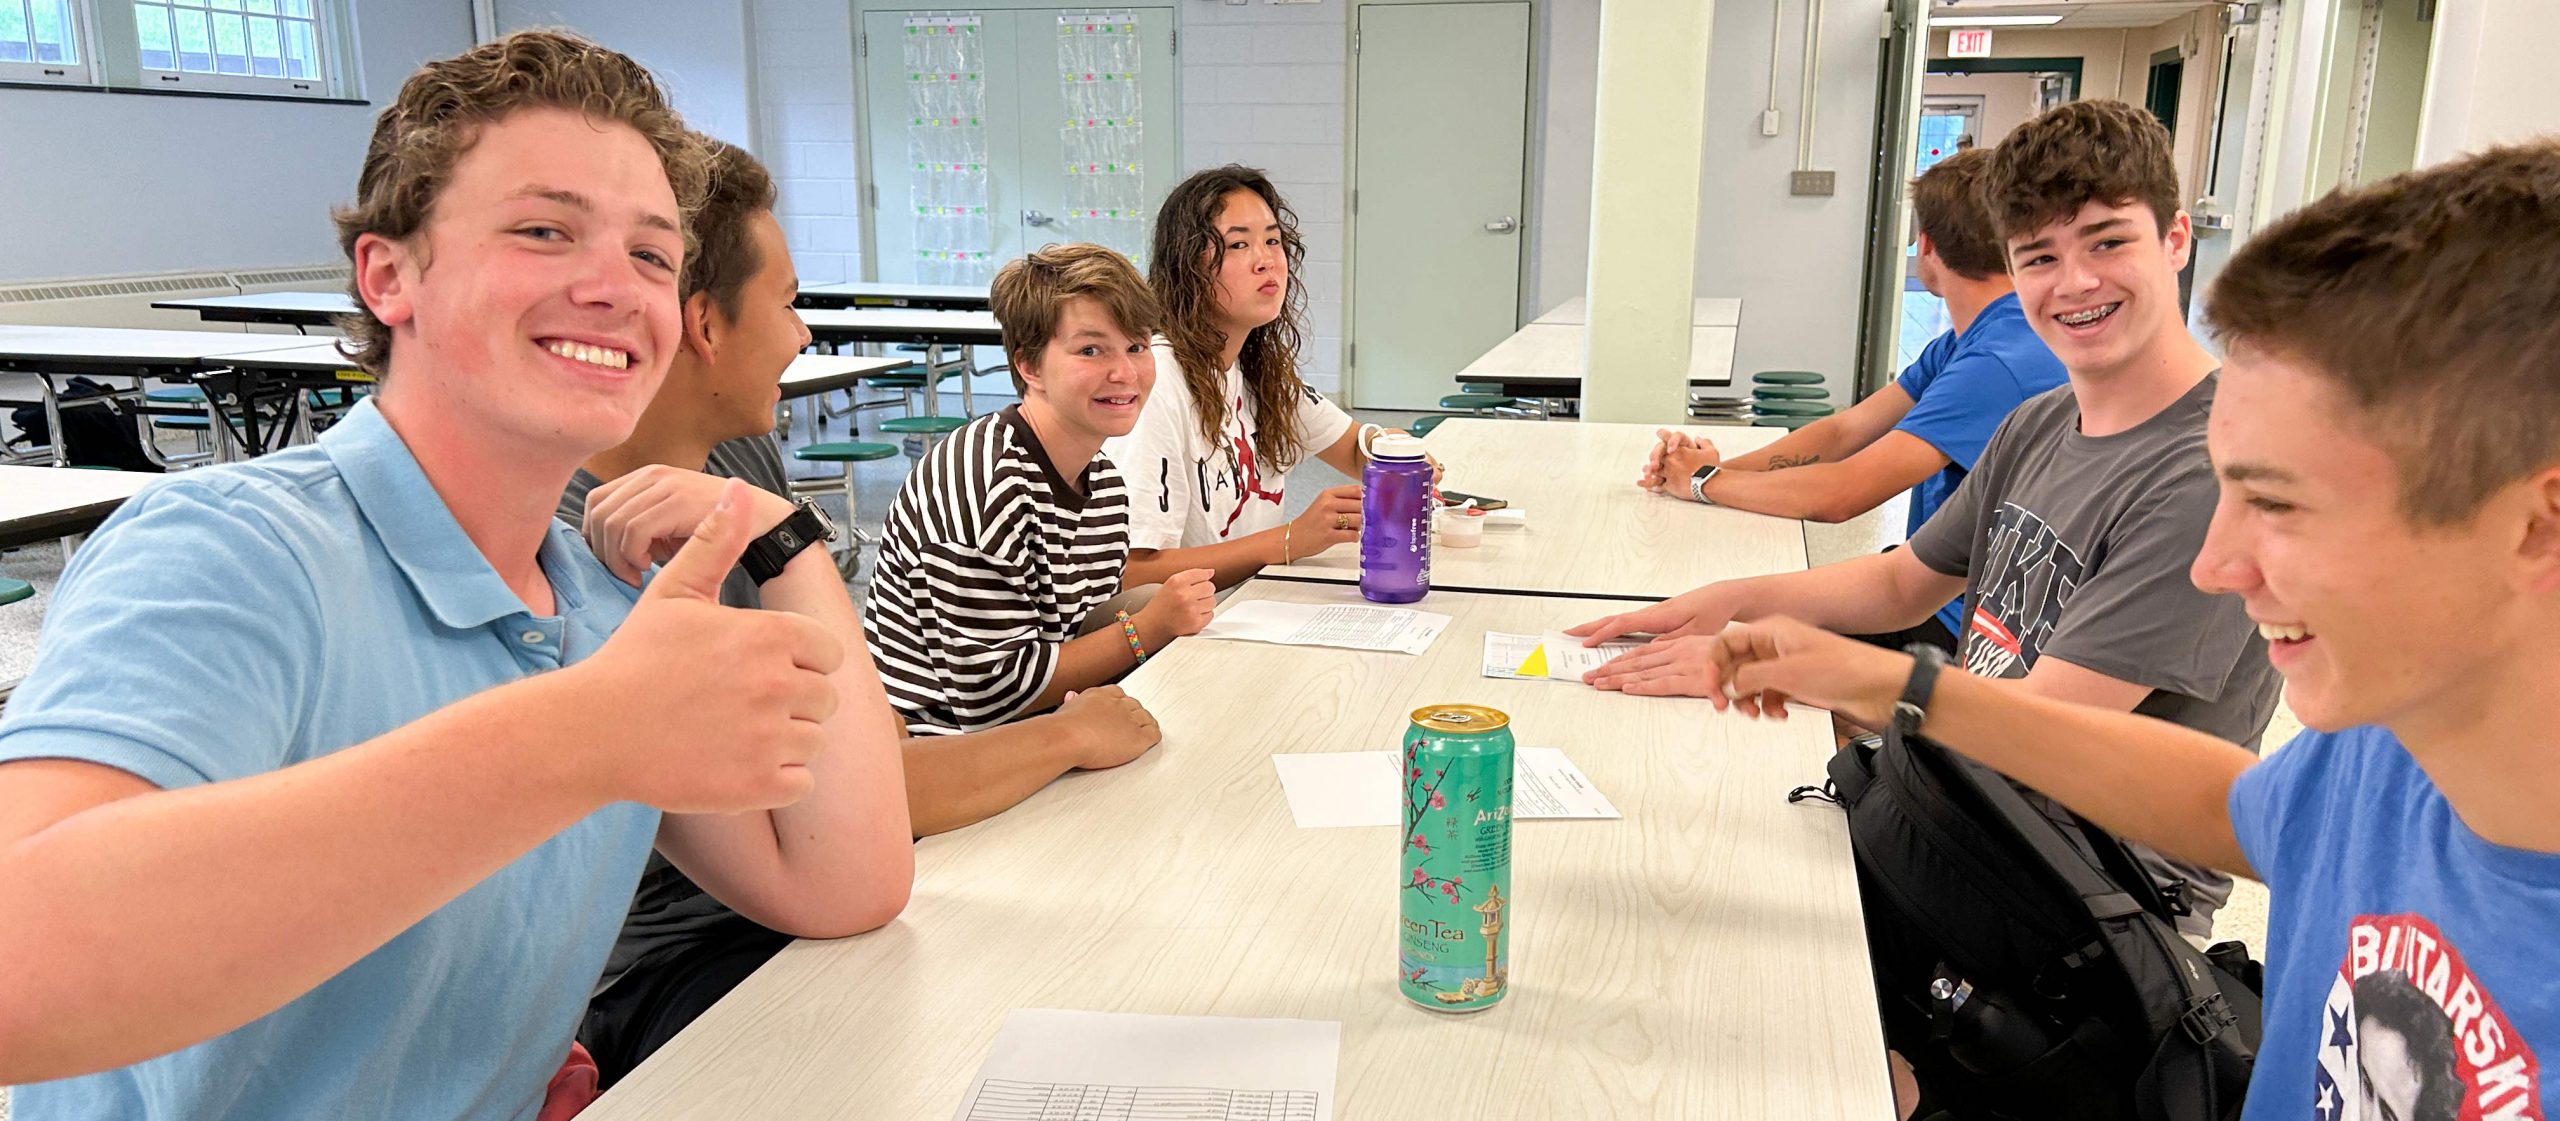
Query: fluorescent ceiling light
point(1993, 21)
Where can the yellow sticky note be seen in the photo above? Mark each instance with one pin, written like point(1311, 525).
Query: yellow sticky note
point(1536, 666)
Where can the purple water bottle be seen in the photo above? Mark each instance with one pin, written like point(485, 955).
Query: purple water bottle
point(1395, 521)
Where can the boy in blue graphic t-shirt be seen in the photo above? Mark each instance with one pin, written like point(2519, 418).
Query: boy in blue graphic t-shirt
point(1923, 432)
point(2387, 438)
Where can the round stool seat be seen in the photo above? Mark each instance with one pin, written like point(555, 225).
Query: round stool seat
point(183, 423)
point(844, 451)
point(904, 377)
point(1786, 377)
point(1478, 401)
point(1790, 408)
point(1422, 425)
point(1481, 387)
point(923, 425)
point(11, 591)
point(174, 395)
point(1790, 393)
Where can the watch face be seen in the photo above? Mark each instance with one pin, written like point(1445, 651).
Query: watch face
point(826, 525)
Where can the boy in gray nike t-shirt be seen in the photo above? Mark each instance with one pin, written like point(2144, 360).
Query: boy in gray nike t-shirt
point(2078, 546)
point(2072, 537)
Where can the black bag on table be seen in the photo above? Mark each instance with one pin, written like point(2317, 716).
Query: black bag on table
point(100, 435)
point(2026, 976)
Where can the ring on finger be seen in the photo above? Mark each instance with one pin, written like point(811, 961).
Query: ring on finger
point(1342, 521)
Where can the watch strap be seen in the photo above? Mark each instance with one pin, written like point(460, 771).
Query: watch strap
point(1698, 482)
point(766, 556)
point(1913, 707)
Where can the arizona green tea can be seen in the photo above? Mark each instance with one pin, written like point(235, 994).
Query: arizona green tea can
point(1457, 858)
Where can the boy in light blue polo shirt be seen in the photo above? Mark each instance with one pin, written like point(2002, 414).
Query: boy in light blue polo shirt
point(327, 597)
point(1923, 432)
point(336, 768)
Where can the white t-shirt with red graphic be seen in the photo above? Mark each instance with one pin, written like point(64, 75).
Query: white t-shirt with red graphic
point(2413, 968)
point(1185, 490)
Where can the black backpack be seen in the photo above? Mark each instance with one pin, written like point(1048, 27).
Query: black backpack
point(2022, 975)
point(100, 435)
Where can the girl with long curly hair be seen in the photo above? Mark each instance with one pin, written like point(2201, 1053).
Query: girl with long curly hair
point(1206, 464)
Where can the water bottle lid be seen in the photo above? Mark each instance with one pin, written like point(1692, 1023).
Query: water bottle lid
point(1394, 445)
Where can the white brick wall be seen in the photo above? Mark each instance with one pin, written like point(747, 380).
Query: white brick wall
point(805, 109)
point(1262, 85)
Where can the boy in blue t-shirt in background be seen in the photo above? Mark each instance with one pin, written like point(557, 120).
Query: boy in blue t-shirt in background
point(1923, 432)
point(2387, 437)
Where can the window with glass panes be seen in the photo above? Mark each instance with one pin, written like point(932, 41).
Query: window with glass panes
point(38, 32)
point(241, 38)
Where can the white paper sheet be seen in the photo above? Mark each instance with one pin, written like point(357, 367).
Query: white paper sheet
point(1115, 1066)
point(1568, 659)
point(1328, 789)
point(1350, 626)
point(1515, 656)
point(1547, 786)
point(1332, 789)
point(1555, 655)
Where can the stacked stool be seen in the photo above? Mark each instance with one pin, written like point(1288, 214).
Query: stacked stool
point(1788, 398)
point(847, 453)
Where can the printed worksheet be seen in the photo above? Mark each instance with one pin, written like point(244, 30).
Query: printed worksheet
point(1554, 656)
point(1118, 1066)
point(1331, 789)
point(1346, 625)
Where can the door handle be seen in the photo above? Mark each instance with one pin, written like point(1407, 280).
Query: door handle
point(1502, 225)
point(1035, 218)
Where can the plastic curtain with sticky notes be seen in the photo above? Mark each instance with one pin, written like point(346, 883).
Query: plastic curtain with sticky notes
point(1105, 132)
point(947, 146)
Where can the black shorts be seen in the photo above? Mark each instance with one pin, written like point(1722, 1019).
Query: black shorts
point(647, 1006)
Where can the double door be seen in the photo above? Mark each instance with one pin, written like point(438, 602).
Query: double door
point(995, 132)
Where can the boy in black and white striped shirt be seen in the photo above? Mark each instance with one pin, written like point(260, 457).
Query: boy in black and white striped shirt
point(1008, 540)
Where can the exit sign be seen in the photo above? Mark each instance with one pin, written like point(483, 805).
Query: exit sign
point(1969, 42)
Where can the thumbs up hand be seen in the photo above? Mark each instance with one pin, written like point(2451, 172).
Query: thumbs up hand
point(642, 518)
point(704, 708)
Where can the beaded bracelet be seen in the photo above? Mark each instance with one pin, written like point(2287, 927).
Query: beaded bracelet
point(1129, 630)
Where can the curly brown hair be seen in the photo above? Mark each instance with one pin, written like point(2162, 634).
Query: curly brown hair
point(440, 111)
point(2104, 151)
point(1946, 202)
point(724, 252)
point(2432, 299)
point(1183, 269)
point(1028, 294)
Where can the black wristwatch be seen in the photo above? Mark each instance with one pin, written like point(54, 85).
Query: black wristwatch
point(766, 555)
point(1698, 482)
point(1913, 708)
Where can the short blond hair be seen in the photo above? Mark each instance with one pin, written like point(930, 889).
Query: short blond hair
point(1029, 293)
point(439, 113)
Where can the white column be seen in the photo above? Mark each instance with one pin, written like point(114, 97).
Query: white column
point(1646, 146)
point(2489, 81)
